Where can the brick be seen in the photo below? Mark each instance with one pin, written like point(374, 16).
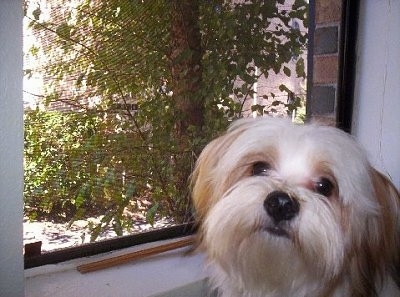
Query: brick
point(326, 40)
point(325, 69)
point(328, 11)
point(322, 100)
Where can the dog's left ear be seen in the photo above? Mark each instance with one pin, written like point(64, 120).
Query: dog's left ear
point(389, 199)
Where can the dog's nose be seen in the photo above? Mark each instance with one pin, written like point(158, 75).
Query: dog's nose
point(280, 206)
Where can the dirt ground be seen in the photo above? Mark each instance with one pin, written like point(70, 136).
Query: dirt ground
point(56, 236)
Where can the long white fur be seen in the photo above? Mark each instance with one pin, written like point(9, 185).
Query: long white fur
point(319, 257)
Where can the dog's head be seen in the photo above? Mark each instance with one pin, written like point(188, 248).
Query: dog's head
point(281, 205)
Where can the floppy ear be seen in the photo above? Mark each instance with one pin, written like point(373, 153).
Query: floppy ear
point(207, 187)
point(378, 250)
point(203, 183)
point(389, 199)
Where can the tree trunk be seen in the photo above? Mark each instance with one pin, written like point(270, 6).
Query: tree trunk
point(186, 67)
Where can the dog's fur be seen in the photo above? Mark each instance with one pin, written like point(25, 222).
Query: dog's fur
point(342, 238)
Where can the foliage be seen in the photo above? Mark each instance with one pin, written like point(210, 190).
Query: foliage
point(80, 165)
point(239, 38)
point(102, 157)
point(64, 172)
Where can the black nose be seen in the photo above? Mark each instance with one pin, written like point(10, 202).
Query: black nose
point(280, 206)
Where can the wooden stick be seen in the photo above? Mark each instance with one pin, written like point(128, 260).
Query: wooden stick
point(122, 259)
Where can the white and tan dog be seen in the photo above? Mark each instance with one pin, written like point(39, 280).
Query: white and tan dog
point(291, 210)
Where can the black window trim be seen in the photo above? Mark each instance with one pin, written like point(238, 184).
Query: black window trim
point(347, 64)
point(108, 245)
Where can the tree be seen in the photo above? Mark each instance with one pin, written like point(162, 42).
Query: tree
point(188, 67)
point(186, 70)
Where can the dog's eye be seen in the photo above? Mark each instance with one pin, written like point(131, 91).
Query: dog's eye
point(324, 187)
point(260, 168)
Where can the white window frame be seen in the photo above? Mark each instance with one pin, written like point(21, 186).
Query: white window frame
point(11, 149)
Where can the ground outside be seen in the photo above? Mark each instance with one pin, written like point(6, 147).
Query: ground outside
point(57, 236)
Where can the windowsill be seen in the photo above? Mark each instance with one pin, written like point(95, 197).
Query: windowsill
point(168, 274)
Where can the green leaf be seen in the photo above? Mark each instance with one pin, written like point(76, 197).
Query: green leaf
point(286, 70)
point(300, 68)
point(151, 213)
point(284, 88)
point(276, 103)
point(130, 190)
point(36, 13)
point(64, 31)
point(257, 107)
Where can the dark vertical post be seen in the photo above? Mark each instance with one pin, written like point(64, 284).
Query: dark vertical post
point(310, 56)
point(347, 63)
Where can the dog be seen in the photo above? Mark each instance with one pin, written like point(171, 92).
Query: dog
point(287, 210)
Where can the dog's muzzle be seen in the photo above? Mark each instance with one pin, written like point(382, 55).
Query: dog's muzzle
point(281, 207)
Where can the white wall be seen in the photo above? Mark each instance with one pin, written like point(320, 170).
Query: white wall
point(11, 146)
point(376, 119)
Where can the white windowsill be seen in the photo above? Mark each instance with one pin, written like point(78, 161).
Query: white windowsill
point(169, 274)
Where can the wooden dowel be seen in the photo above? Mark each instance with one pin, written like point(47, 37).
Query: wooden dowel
point(122, 259)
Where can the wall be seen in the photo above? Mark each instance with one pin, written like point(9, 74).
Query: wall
point(11, 146)
point(322, 98)
point(376, 118)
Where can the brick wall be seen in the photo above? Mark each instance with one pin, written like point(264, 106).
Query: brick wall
point(322, 99)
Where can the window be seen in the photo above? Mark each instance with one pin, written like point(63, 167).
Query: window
point(120, 98)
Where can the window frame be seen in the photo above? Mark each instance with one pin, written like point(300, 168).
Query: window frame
point(344, 110)
point(108, 245)
point(347, 64)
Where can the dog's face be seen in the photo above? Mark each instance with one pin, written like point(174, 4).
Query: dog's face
point(286, 209)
